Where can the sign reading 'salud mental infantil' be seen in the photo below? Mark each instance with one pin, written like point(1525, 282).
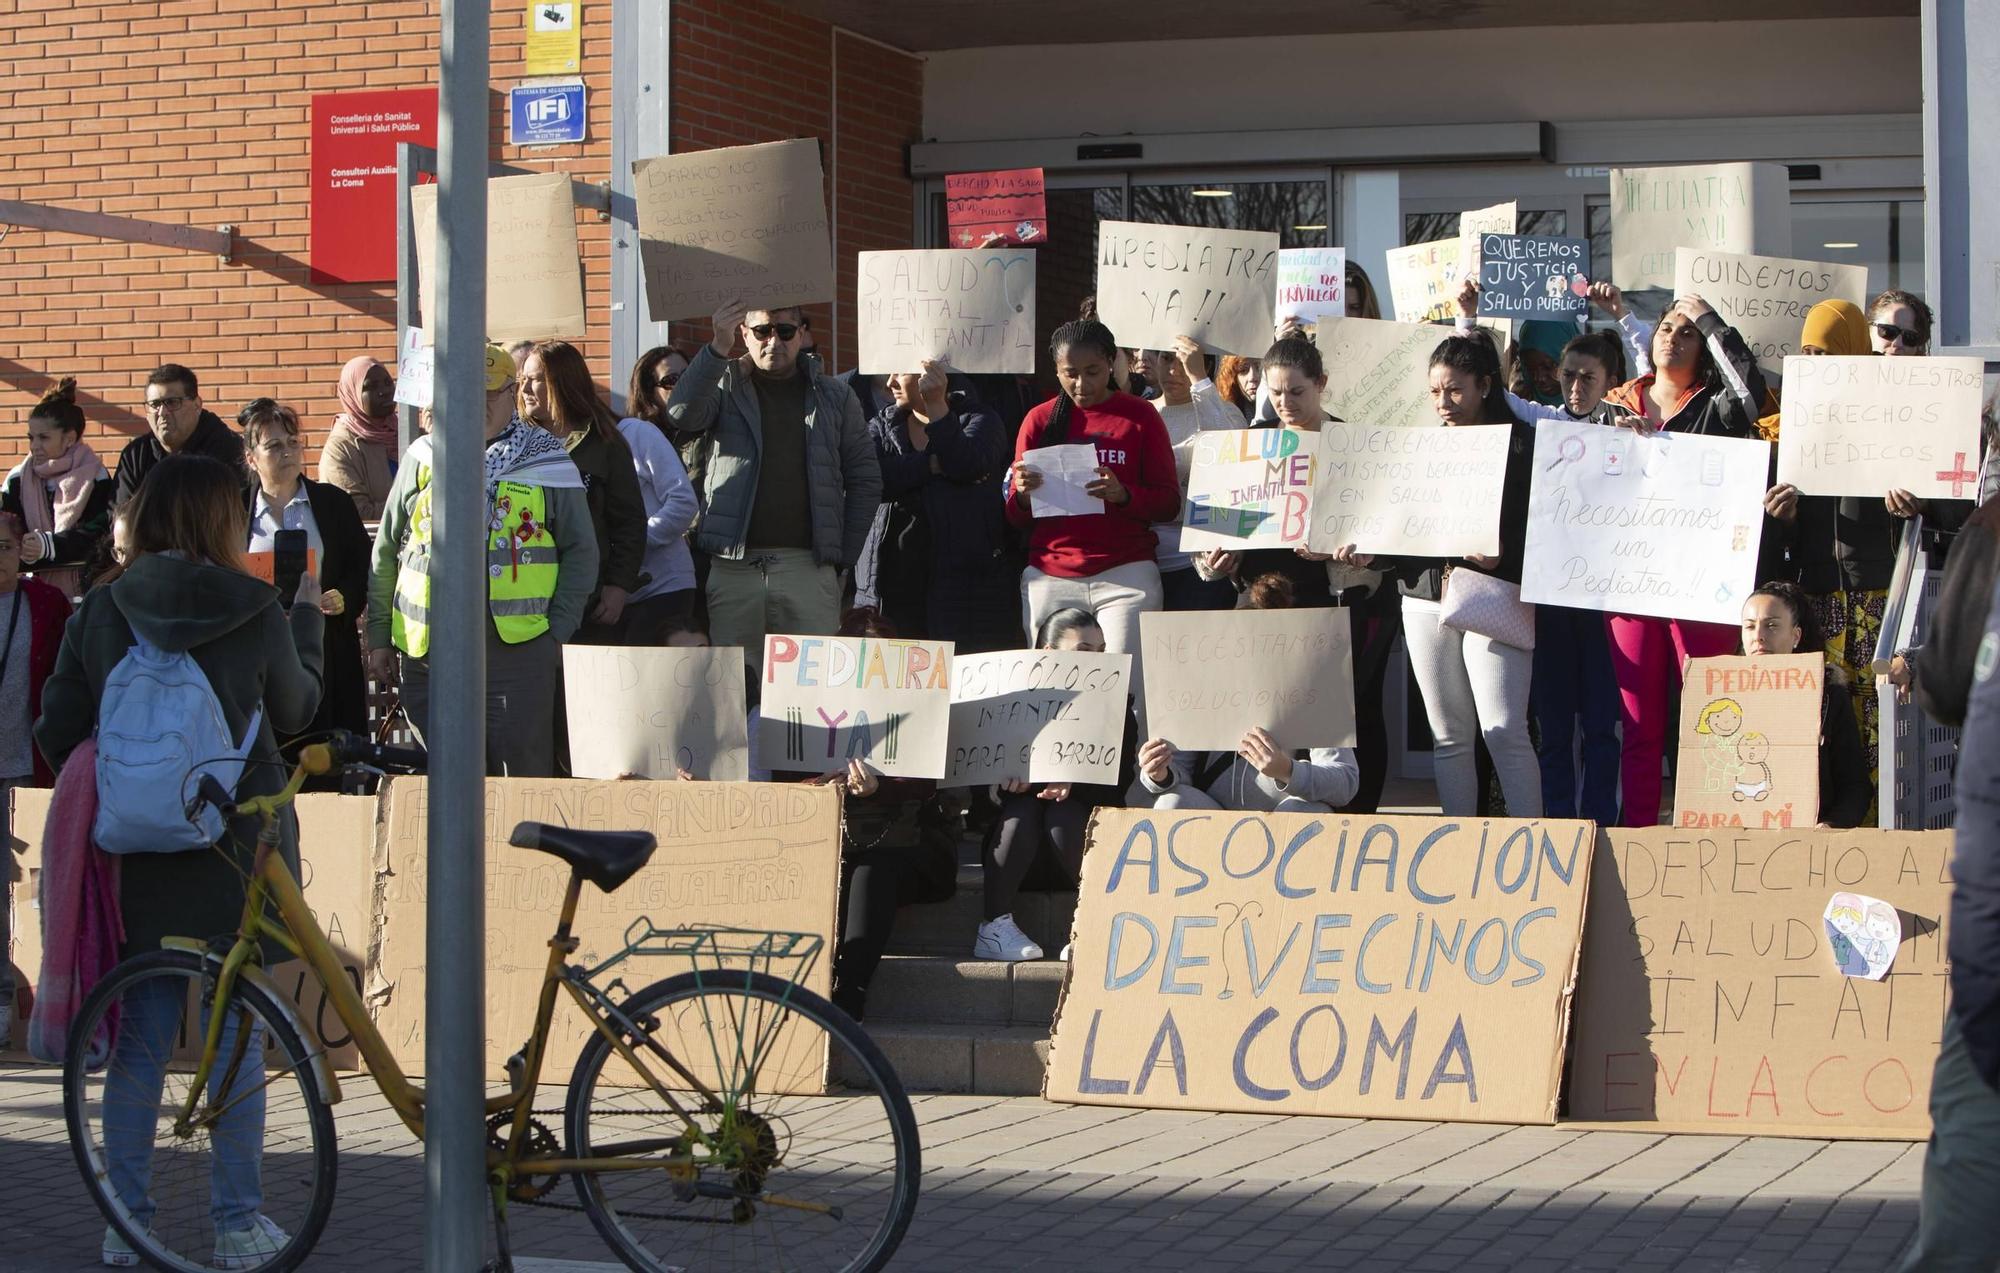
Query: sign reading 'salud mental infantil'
point(354, 139)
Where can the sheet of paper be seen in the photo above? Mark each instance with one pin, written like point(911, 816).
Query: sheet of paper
point(1158, 282)
point(1410, 492)
point(1037, 715)
point(1765, 298)
point(651, 712)
point(1378, 372)
point(416, 370)
point(1211, 675)
point(1312, 284)
point(973, 309)
point(1731, 207)
point(1249, 488)
point(828, 700)
point(1065, 471)
point(996, 209)
point(1863, 934)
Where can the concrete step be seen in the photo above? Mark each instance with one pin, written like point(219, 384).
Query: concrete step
point(948, 928)
point(940, 989)
point(983, 1060)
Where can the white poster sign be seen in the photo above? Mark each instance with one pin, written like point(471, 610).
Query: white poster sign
point(1424, 279)
point(1722, 207)
point(828, 700)
point(1065, 470)
point(416, 370)
point(1248, 488)
point(1037, 715)
point(1666, 525)
point(652, 711)
point(1312, 284)
point(1867, 425)
point(1211, 675)
point(1157, 282)
point(973, 309)
point(1765, 298)
point(1379, 372)
point(1413, 492)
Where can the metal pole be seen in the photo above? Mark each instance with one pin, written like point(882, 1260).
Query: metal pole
point(406, 281)
point(640, 34)
point(454, 1016)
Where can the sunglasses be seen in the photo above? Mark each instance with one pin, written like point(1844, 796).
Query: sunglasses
point(1890, 334)
point(786, 331)
point(670, 379)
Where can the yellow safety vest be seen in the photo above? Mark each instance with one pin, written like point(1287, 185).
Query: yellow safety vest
point(521, 567)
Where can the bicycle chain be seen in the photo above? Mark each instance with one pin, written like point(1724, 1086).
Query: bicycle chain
point(636, 1215)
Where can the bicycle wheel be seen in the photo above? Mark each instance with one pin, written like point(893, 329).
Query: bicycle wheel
point(787, 1170)
point(221, 1192)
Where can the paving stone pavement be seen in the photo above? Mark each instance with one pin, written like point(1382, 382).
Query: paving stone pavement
point(1019, 1183)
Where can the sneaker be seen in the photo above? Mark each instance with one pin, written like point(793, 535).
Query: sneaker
point(1003, 939)
point(117, 1252)
point(250, 1248)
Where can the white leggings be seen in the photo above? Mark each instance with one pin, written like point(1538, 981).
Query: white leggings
point(1474, 685)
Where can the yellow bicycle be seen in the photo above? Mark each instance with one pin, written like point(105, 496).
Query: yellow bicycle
point(725, 1117)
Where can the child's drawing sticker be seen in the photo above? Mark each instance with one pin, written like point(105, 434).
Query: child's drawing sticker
point(1864, 933)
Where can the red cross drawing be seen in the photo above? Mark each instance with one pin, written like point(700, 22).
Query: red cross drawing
point(1958, 475)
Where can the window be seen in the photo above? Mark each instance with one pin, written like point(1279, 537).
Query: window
point(1296, 210)
point(1429, 227)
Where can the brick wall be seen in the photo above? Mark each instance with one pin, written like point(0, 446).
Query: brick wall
point(197, 112)
point(750, 71)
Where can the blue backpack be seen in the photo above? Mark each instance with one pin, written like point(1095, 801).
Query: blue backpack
point(160, 728)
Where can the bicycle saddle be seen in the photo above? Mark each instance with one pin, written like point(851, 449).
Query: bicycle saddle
point(605, 858)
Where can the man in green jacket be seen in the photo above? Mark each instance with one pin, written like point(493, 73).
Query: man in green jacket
point(541, 565)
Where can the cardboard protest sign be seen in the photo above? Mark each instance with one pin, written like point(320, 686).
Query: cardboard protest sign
point(1523, 276)
point(996, 209)
point(1065, 470)
point(1248, 488)
point(1156, 282)
point(1424, 279)
point(972, 309)
point(1211, 675)
point(1312, 284)
point(1037, 715)
point(1665, 525)
point(652, 711)
point(1712, 1000)
point(1412, 492)
point(1749, 753)
point(828, 700)
point(1726, 207)
point(743, 221)
point(1379, 372)
point(534, 278)
point(752, 855)
point(1865, 425)
point(1375, 967)
point(1476, 224)
point(1765, 298)
point(336, 872)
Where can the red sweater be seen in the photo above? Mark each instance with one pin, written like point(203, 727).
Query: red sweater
point(1132, 442)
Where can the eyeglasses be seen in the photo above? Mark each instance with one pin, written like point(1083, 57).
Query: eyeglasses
point(157, 405)
point(669, 380)
point(1891, 333)
point(786, 331)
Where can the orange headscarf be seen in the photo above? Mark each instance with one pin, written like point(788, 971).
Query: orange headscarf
point(1838, 327)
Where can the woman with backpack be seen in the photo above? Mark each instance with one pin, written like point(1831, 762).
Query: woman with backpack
point(189, 596)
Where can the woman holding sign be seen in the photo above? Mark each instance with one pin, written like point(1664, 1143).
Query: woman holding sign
point(1778, 620)
point(1090, 532)
point(1475, 683)
point(1260, 774)
point(1044, 824)
point(943, 567)
point(1189, 403)
point(1704, 380)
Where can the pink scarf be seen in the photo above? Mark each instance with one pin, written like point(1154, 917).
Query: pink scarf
point(75, 473)
point(381, 429)
point(82, 926)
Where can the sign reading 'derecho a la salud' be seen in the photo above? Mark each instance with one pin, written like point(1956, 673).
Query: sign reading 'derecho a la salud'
point(1376, 967)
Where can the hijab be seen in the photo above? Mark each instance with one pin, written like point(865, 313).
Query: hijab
point(1838, 327)
point(379, 430)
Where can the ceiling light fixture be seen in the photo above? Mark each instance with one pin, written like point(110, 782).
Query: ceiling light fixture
point(1309, 227)
point(1212, 194)
point(1840, 245)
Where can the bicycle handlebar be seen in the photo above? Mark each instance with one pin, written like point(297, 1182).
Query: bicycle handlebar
point(340, 748)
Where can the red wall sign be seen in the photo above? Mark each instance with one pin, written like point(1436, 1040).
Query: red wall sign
point(354, 138)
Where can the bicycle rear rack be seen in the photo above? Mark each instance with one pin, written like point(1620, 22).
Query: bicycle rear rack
point(716, 952)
